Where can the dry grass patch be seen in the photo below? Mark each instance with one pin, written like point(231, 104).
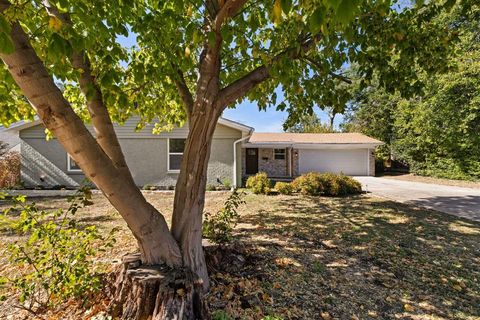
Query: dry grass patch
point(313, 257)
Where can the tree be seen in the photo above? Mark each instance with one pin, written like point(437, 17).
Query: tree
point(192, 60)
point(373, 112)
point(436, 133)
point(310, 124)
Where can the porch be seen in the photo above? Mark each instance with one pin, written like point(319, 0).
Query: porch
point(280, 163)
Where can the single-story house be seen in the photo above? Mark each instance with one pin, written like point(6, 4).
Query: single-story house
point(237, 152)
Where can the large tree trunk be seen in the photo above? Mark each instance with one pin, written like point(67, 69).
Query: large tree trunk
point(156, 292)
point(190, 192)
point(191, 184)
point(147, 224)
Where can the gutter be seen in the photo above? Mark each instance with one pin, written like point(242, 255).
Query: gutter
point(234, 184)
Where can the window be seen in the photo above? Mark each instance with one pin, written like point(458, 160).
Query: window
point(175, 153)
point(279, 154)
point(72, 166)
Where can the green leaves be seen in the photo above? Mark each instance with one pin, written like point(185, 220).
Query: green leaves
point(316, 20)
point(277, 12)
point(286, 5)
point(58, 47)
point(346, 11)
point(6, 44)
point(55, 257)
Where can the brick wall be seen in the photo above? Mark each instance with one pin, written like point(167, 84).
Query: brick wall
point(267, 163)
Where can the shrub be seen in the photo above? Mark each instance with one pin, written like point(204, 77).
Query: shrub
point(284, 188)
point(339, 185)
point(259, 183)
point(218, 228)
point(308, 184)
point(55, 261)
point(328, 184)
point(227, 183)
point(9, 170)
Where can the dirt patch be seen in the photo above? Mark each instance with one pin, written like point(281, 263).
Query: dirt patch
point(431, 180)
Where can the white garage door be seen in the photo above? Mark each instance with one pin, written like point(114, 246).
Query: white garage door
point(350, 162)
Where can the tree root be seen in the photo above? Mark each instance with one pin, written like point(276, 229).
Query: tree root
point(156, 292)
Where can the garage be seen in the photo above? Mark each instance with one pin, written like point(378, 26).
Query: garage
point(351, 162)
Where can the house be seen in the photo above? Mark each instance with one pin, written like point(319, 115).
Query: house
point(237, 152)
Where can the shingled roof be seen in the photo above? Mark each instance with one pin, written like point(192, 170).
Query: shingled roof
point(312, 138)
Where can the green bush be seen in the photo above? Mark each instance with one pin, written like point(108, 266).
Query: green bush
point(55, 261)
point(259, 183)
point(328, 184)
point(339, 185)
point(227, 183)
point(284, 188)
point(218, 228)
point(308, 184)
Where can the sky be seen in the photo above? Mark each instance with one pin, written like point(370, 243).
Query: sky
point(266, 121)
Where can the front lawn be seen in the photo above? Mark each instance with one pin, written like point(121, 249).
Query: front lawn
point(312, 258)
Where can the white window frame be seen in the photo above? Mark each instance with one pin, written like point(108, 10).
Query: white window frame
point(284, 153)
point(69, 165)
point(172, 153)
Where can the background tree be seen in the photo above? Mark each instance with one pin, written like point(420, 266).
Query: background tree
point(310, 124)
point(435, 133)
point(192, 60)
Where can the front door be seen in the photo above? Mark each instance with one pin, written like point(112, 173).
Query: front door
point(252, 161)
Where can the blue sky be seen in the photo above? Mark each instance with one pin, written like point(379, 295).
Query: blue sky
point(266, 121)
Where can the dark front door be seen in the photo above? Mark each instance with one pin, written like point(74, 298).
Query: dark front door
point(252, 161)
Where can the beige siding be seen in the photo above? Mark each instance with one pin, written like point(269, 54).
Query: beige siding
point(127, 130)
point(145, 153)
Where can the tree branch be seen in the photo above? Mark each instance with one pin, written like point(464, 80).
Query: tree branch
point(149, 227)
point(101, 121)
point(182, 88)
point(229, 9)
point(240, 87)
point(332, 74)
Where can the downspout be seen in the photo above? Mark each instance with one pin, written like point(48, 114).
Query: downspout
point(234, 184)
point(290, 162)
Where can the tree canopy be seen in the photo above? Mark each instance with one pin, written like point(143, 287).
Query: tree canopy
point(435, 133)
point(158, 76)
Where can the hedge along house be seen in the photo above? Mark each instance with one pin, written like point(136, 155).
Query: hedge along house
point(237, 152)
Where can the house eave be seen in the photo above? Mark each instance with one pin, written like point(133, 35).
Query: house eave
point(20, 125)
point(311, 145)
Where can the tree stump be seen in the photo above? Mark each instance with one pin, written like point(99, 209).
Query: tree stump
point(156, 292)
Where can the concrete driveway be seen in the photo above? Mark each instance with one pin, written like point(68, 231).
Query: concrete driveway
point(462, 202)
